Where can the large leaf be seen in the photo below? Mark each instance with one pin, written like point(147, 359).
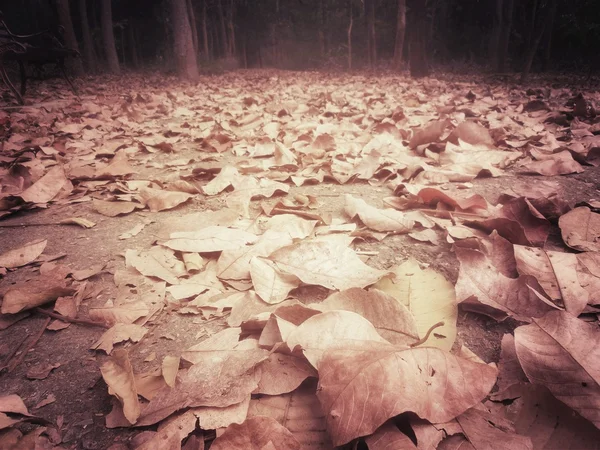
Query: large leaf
point(377, 219)
point(360, 390)
point(36, 292)
point(118, 375)
point(429, 297)
point(210, 239)
point(392, 320)
point(562, 353)
point(482, 287)
point(580, 229)
point(389, 437)
point(23, 255)
point(256, 433)
point(328, 263)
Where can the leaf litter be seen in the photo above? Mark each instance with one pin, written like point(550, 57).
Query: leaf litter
point(322, 256)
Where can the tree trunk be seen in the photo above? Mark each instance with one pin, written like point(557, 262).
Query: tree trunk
point(205, 31)
point(224, 43)
point(193, 26)
point(108, 36)
point(400, 33)
point(135, 59)
point(505, 35)
point(89, 56)
point(541, 26)
point(371, 43)
point(64, 17)
point(183, 46)
point(231, 29)
point(321, 29)
point(350, 35)
point(496, 32)
point(549, 31)
point(419, 67)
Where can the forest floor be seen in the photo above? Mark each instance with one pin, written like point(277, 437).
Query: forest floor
point(172, 213)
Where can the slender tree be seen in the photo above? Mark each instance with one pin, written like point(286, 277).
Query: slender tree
point(350, 25)
point(89, 55)
point(419, 66)
point(231, 29)
point(193, 25)
point(64, 17)
point(224, 42)
point(507, 23)
point(400, 33)
point(371, 40)
point(205, 31)
point(108, 36)
point(542, 23)
point(185, 56)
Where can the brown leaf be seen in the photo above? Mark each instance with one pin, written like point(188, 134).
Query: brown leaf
point(393, 321)
point(113, 209)
point(170, 433)
point(170, 367)
point(118, 375)
point(119, 332)
point(557, 274)
point(389, 437)
point(157, 262)
point(358, 390)
point(550, 423)
point(377, 219)
point(36, 292)
point(472, 133)
point(214, 346)
point(256, 433)
point(328, 263)
point(159, 200)
point(79, 221)
point(47, 187)
point(300, 412)
point(41, 371)
point(198, 386)
point(281, 374)
point(210, 239)
point(271, 284)
point(561, 163)
point(331, 330)
point(487, 431)
point(580, 229)
point(211, 417)
point(432, 133)
point(118, 167)
point(23, 255)
point(480, 286)
point(562, 353)
point(510, 372)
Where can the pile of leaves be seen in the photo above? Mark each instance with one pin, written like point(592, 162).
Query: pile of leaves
point(319, 349)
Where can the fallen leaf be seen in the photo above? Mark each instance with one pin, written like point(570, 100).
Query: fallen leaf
point(170, 367)
point(482, 287)
point(23, 255)
point(429, 297)
point(562, 353)
point(83, 223)
point(328, 263)
point(389, 437)
point(358, 390)
point(50, 398)
point(210, 239)
point(41, 372)
point(281, 374)
point(377, 219)
point(47, 187)
point(472, 133)
point(510, 372)
point(271, 284)
point(113, 209)
point(211, 418)
point(580, 229)
point(392, 320)
point(256, 433)
point(170, 433)
point(119, 332)
point(157, 262)
point(36, 292)
point(118, 375)
point(159, 200)
point(331, 330)
point(432, 133)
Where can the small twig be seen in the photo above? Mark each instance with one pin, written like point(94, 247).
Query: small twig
point(424, 339)
point(366, 253)
point(42, 224)
point(69, 320)
point(12, 365)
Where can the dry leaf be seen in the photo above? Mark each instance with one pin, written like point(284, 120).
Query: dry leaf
point(159, 200)
point(331, 330)
point(47, 187)
point(562, 353)
point(118, 375)
point(482, 287)
point(79, 221)
point(328, 263)
point(171, 432)
point(392, 320)
point(23, 255)
point(389, 437)
point(157, 262)
point(210, 239)
point(256, 433)
point(377, 219)
point(270, 283)
point(119, 332)
point(41, 372)
point(36, 292)
point(580, 229)
point(359, 390)
point(211, 418)
point(113, 209)
point(281, 374)
point(170, 367)
point(429, 297)
point(510, 373)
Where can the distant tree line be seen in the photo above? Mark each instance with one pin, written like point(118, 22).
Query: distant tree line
point(503, 35)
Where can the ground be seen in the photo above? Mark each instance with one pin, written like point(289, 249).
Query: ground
point(169, 129)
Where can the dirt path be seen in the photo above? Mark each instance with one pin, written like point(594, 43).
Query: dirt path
point(173, 133)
